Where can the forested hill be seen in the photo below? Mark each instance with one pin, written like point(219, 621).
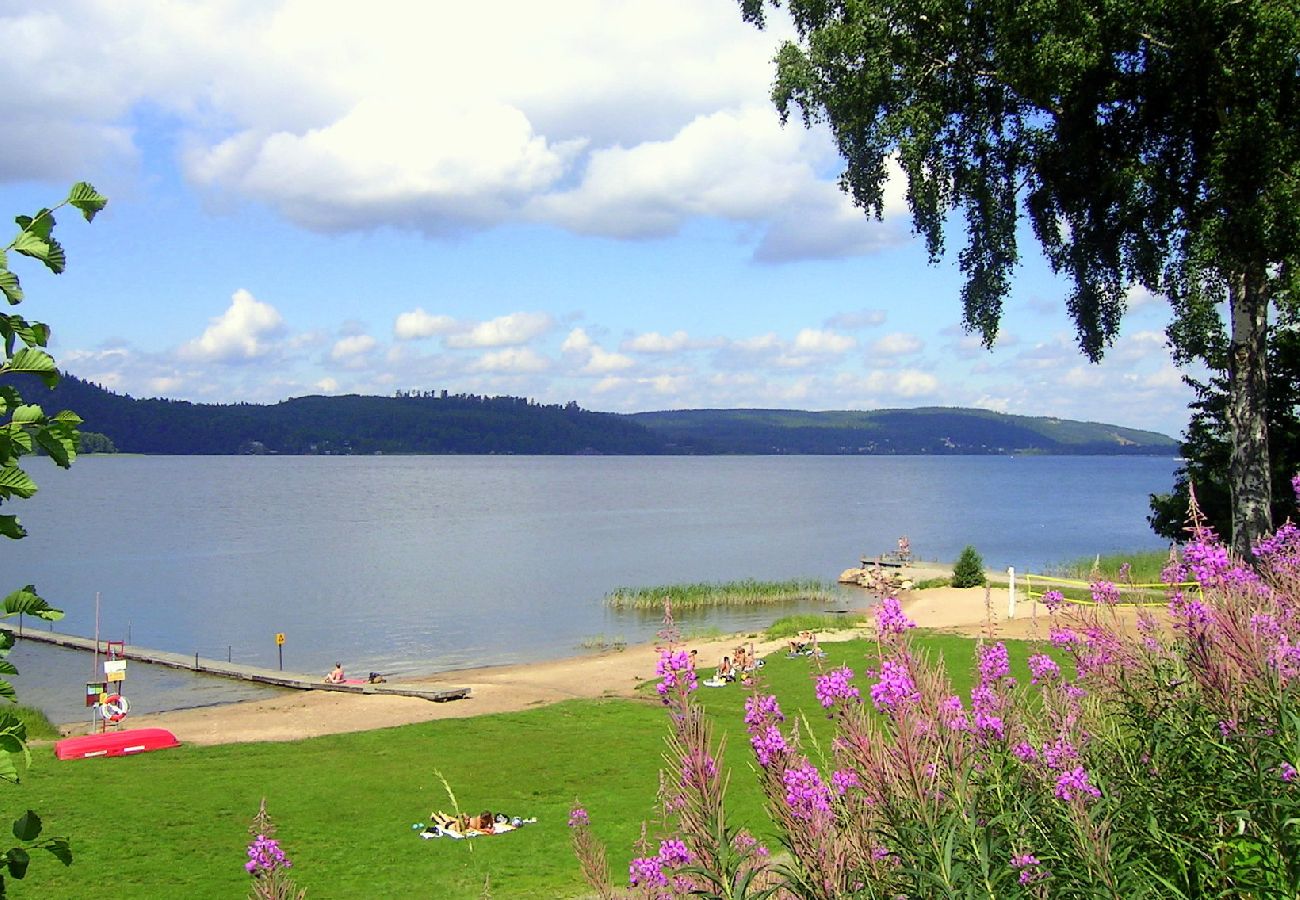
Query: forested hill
point(899, 431)
point(437, 423)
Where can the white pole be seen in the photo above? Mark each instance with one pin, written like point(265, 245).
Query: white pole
point(1011, 592)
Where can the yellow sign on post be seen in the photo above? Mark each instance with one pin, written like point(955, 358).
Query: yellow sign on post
point(279, 639)
point(115, 669)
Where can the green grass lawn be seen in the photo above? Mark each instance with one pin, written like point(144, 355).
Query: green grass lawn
point(175, 823)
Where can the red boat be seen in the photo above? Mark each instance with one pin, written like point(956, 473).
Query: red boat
point(115, 743)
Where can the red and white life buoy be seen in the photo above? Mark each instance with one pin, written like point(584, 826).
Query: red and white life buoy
point(114, 708)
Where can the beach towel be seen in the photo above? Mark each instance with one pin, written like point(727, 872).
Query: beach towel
point(442, 825)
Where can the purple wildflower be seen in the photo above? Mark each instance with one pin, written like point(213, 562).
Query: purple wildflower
point(674, 854)
point(843, 779)
point(1043, 668)
point(1074, 783)
point(1028, 864)
point(890, 620)
point(265, 857)
point(1025, 752)
point(1295, 485)
point(954, 714)
point(1053, 600)
point(834, 685)
point(1288, 773)
point(762, 713)
point(675, 668)
point(1063, 637)
point(1105, 593)
point(895, 686)
point(805, 792)
point(646, 870)
point(993, 661)
point(578, 818)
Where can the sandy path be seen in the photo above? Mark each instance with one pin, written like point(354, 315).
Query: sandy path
point(304, 714)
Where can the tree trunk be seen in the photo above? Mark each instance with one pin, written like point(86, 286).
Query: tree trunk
point(1249, 476)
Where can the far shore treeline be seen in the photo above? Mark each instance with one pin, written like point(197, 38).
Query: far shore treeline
point(441, 422)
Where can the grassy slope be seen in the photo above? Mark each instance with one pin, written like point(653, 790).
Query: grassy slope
point(176, 821)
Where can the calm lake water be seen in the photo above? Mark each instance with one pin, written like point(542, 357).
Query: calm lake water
point(431, 563)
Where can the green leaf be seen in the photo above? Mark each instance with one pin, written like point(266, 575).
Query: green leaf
point(8, 771)
point(34, 362)
point(26, 415)
point(84, 197)
point(17, 860)
point(14, 480)
point(27, 827)
point(10, 528)
point(9, 398)
point(9, 284)
point(25, 601)
point(60, 848)
point(60, 441)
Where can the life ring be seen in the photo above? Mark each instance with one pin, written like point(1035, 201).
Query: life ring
point(114, 708)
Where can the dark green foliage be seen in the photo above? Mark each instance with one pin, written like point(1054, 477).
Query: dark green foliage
point(1206, 447)
point(473, 424)
point(931, 430)
point(1147, 142)
point(968, 570)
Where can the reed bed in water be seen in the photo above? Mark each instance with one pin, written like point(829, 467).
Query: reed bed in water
point(730, 593)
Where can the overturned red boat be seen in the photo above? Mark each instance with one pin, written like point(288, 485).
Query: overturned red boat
point(115, 743)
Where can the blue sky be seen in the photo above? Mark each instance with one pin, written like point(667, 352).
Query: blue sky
point(585, 200)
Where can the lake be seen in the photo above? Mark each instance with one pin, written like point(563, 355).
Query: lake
point(429, 563)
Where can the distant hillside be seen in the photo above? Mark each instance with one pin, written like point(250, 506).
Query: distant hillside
point(349, 424)
point(471, 424)
point(933, 430)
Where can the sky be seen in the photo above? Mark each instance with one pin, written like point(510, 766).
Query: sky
point(589, 200)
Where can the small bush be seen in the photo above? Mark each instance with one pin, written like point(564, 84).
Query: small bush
point(789, 626)
point(969, 570)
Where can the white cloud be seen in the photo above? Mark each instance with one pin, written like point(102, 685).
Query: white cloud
point(350, 347)
point(602, 361)
point(419, 324)
point(505, 331)
point(327, 385)
point(238, 334)
point(519, 360)
point(810, 340)
point(577, 341)
point(898, 343)
point(654, 342)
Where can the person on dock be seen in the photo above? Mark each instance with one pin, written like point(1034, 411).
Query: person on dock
point(336, 676)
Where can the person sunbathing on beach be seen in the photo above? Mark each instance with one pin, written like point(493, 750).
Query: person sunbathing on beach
point(725, 670)
point(802, 643)
point(742, 662)
point(336, 676)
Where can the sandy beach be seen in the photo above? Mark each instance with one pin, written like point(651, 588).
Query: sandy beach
point(305, 714)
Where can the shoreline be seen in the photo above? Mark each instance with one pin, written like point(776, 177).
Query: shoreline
point(521, 686)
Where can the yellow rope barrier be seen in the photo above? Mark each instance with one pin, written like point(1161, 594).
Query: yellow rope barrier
point(1052, 581)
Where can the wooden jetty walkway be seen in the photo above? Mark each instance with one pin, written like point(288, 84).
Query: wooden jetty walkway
point(242, 672)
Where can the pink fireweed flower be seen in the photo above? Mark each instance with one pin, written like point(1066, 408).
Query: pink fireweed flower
point(890, 620)
point(646, 870)
point(1288, 773)
point(1043, 668)
point(674, 854)
point(1025, 752)
point(843, 779)
point(1280, 551)
point(1295, 485)
point(895, 687)
point(265, 857)
point(1105, 593)
point(805, 793)
point(954, 714)
point(1063, 638)
point(1189, 615)
point(835, 685)
point(1028, 864)
point(1058, 754)
point(762, 714)
point(1053, 600)
point(993, 662)
point(1074, 783)
point(1210, 564)
point(675, 668)
point(578, 817)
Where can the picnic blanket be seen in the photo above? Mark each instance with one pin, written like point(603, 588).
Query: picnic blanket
point(442, 825)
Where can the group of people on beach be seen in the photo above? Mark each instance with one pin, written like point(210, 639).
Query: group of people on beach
point(742, 667)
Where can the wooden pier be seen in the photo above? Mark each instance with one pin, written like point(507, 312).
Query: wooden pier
point(238, 671)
